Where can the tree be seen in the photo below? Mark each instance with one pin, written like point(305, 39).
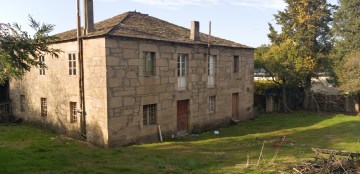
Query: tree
point(279, 61)
point(346, 52)
point(19, 52)
point(350, 73)
point(304, 40)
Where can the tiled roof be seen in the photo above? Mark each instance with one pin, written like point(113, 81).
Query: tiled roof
point(138, 25)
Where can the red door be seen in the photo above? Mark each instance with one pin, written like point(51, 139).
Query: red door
point(235, 106)
point(182, 115)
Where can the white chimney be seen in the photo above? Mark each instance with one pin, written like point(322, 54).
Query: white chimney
point(195, 31)
point(88, 16)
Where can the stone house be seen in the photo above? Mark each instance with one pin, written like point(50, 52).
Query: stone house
point(139, 72)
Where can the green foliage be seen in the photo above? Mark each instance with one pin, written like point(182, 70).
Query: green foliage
point(25, 149)
point(19, 51)
point(350, 73)
point(305, 41)
point(263, 87)
point(346, 31)
point(302, 47)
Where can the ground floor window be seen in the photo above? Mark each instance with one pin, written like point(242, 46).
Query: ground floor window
point(149, 114)
point(22, 103)
point(43, 107)
point(73, 113)
point(212, 104)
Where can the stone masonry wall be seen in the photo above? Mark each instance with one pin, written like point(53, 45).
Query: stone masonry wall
point(60, 89)
point(128, 89)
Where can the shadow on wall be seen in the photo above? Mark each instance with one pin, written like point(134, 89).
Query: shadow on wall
point(95, 135)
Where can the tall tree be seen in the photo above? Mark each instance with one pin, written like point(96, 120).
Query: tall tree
point(346, 52)
point(19, 51)
point(305, 29)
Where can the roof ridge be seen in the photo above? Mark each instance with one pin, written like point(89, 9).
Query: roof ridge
point(114, 26)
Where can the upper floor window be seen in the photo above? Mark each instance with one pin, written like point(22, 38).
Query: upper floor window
point(149, 63)
point(181, 71)
point(149, 114)
point(236, 64)
point(42, 65)
point(211, 70)
point(72, 63)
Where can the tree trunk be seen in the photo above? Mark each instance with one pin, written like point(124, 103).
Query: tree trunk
point(307, 90)
point(283, 94)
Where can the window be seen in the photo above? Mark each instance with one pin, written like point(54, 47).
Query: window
point(43, 107)
point(42, 65)
point(72, 64)
point(212, 104)
point(236, 64)
point(149, 63)
point(149, 114)
point(181, 71)
point(73, 112)
point(22, 103)
point(211, 71)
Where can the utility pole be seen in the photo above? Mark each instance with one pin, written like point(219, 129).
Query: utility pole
point(81, 72)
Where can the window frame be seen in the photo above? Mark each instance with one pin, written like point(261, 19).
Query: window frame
point(150, 114)
point(236, 64)
point(212, 104)
point(72, 64)
point(43, 107)
point(73, 112)
point(42, 65)
point(149, 63)
point(182, 61)
point(211, 70)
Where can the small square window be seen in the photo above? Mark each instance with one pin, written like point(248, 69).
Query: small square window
point(149, 114)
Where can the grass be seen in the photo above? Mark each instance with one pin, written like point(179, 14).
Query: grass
point(25, 149)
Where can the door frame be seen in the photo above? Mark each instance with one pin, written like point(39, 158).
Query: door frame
point(235, 115)
point(187, 117)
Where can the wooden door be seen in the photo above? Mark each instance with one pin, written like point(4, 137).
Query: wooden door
point(235, 106)
point(182, 115)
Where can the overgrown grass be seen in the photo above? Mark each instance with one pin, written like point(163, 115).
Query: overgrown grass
point(25, 149)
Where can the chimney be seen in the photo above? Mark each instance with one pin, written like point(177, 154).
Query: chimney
point(195, 31)
point(88, 16)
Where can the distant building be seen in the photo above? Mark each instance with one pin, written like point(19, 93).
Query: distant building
point(139, 72)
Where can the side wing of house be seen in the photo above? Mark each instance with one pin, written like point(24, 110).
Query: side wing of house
point(50, 95)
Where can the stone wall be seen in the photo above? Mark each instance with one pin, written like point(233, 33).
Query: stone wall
point(60, 89)
point(128, 89)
